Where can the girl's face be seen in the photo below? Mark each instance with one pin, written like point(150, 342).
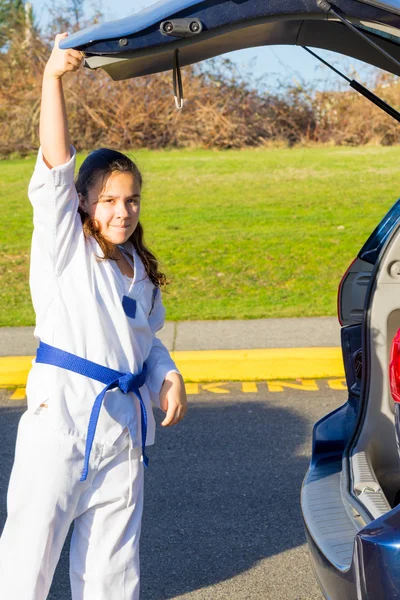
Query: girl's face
point(115, 207)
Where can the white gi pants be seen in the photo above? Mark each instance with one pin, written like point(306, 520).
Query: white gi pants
point(45, 496)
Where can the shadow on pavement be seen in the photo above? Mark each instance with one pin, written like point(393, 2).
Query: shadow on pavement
point(221, 493)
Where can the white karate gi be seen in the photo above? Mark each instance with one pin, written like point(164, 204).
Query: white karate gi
point(78, 303)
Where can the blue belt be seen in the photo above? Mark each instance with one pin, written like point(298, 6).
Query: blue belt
point(126, 382)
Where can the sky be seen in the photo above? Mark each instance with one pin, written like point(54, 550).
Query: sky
point(271, 63)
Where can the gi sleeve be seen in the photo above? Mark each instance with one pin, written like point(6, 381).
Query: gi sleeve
point(56, 221)
point(159, 362)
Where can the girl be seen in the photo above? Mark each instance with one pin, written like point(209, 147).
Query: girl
point(81, 443)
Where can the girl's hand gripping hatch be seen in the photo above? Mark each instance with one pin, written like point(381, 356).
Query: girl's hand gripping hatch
point(62, 61)
point(173, 399)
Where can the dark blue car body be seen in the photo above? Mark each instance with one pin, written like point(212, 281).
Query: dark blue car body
point(351, 562)
point(350, 492)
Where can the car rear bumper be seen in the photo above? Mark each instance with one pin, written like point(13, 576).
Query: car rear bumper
point(334, 584)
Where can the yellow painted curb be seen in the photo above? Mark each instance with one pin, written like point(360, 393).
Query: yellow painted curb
point(14, 370)
point(260, 365)
point(223, 365)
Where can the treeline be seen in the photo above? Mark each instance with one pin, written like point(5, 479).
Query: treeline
point(222, 109)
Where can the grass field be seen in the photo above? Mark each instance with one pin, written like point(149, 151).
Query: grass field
point(242, 233)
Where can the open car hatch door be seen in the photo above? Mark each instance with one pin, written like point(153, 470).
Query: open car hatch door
point(145, 42)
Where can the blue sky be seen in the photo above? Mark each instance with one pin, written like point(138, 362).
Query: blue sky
point(273, 63)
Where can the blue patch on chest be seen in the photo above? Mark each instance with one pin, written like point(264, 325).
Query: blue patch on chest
point(129, 306)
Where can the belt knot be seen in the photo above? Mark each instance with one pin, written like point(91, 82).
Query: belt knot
point(126, 383)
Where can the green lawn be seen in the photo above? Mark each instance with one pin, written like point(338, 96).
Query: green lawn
point(242, 233)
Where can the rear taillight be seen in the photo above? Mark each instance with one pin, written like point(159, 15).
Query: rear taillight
point(339, 294)
point(394, 368)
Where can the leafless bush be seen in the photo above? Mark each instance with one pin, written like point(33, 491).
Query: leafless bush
point(221, 108)
point(346, 118)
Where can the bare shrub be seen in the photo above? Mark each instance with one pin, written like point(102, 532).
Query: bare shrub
point(347, 118)
point(222, 109)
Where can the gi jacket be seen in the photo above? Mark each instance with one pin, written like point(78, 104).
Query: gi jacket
point(78, 303)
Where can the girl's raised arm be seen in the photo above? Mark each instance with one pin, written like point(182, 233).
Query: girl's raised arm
point(54, 135)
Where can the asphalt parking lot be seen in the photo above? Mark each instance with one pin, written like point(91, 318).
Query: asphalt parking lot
point(222, 518)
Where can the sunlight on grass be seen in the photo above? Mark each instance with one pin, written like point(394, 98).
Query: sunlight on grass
point(241, 233)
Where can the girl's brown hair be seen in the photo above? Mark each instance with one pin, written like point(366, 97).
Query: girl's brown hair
point(102, 163)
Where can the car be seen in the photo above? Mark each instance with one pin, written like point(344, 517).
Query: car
point(350, 495)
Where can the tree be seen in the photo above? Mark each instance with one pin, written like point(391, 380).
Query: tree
point(66, 15)
point(12, 19)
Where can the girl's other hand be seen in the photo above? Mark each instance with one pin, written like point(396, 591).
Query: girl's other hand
point(62, 61)
point(173, 399)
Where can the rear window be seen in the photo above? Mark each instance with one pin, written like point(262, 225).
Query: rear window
point(384, 31)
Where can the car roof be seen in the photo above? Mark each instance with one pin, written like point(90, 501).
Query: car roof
point(136, 46)
point(393, 6)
